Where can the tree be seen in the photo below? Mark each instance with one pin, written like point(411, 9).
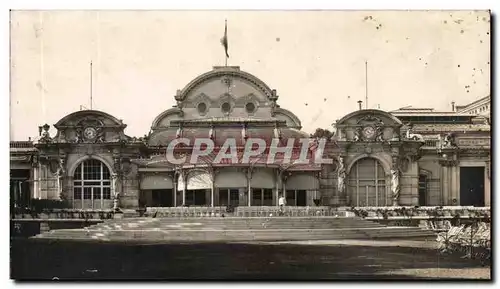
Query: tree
point(322, 133)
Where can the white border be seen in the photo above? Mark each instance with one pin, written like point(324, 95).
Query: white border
point(199, 4)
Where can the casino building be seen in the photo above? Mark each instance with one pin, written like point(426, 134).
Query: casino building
point(406, 157)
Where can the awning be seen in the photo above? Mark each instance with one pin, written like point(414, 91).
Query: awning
point(302, 182)
point(156, 182)
point(230, 179)
point(196, 181)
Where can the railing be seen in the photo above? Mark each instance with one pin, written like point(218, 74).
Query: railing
point(431, 143)
point(253, 211)
point(21, 144)
point(185, 212)
point(289, 211)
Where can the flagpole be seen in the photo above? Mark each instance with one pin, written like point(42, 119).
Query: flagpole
point(91, 85)
point(224, 43)
point(366, 84)
point(225, 35)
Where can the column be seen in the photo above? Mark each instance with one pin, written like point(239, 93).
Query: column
point(278, 186)
point(454, 189)
point(175, 189)
point(249, 186)
point(184, 177)
point(444, 190)
point(35, 183)
point(487, 184)
point(212, 194)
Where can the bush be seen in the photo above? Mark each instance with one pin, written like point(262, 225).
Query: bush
point(39, 205)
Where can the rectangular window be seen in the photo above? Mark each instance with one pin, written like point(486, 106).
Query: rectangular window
point(256, 197)
point(87, 193)
point(268, 197)
point(257, 194)
point(77, 193)
point(92, 183)
point(106, 193)
point(290, 197)
point(97, 193)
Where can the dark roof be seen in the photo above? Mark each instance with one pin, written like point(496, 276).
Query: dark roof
point(164, 137)
point(22, 147)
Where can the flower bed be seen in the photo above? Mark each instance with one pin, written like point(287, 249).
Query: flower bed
point(63, 214)
point(386, 213)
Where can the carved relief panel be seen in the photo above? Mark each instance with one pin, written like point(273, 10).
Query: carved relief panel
point(89, 130)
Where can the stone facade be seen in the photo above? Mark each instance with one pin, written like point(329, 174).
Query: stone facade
point(406, 157)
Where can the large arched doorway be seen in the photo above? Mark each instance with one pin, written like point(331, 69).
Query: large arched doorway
point(92, 185)
point(367, 184)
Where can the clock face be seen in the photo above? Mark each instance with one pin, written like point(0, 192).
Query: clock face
point(89, 133)
point(368, 132)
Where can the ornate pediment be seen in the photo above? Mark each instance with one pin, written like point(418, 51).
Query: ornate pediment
point(89, 130)
point(89, 126)
point(369, 128)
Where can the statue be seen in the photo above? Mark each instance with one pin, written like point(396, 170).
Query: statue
point(357, 135)
point(447, 142)
point(395, 188)
point(116, 195)
point(59, 181)
point(341, 176)
point(413, 136)
point(59, 176)
point(114, 180)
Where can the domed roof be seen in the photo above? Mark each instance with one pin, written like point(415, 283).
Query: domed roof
point(230, 71)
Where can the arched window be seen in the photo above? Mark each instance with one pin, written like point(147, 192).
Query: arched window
point(367, 184)
point(92, 184)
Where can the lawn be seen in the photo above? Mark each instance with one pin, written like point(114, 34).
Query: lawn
point(349, 260)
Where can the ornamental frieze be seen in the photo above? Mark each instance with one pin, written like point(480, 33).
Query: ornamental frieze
point(449, 163)
point(473, 142)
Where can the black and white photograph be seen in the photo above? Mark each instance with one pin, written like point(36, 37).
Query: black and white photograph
point(250, 145)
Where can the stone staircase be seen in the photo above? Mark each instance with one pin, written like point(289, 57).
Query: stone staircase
point(233, 229)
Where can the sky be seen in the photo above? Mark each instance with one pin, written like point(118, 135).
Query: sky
point(314, 59)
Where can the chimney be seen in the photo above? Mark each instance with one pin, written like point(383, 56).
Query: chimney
point(360, 103)
point(452, 106)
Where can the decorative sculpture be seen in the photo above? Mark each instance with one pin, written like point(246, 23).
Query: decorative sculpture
point(341, 176)
point(413, 136)
point(59, 179)
point(59, 176)
point(357, 135)
point(276, 133)
point(116, 195)
point(448, 141)
point(114, 179)
point(395, 188)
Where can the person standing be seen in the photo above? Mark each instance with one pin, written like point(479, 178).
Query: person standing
point(281, 203)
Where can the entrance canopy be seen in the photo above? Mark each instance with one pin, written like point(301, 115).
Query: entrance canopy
point(302, 182)
point(156, 182)
point(196, 181)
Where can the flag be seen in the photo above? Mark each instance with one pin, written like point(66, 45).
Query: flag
point(223, 40)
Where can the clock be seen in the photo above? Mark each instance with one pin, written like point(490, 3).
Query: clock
point(90, 133)
point(368, 132)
